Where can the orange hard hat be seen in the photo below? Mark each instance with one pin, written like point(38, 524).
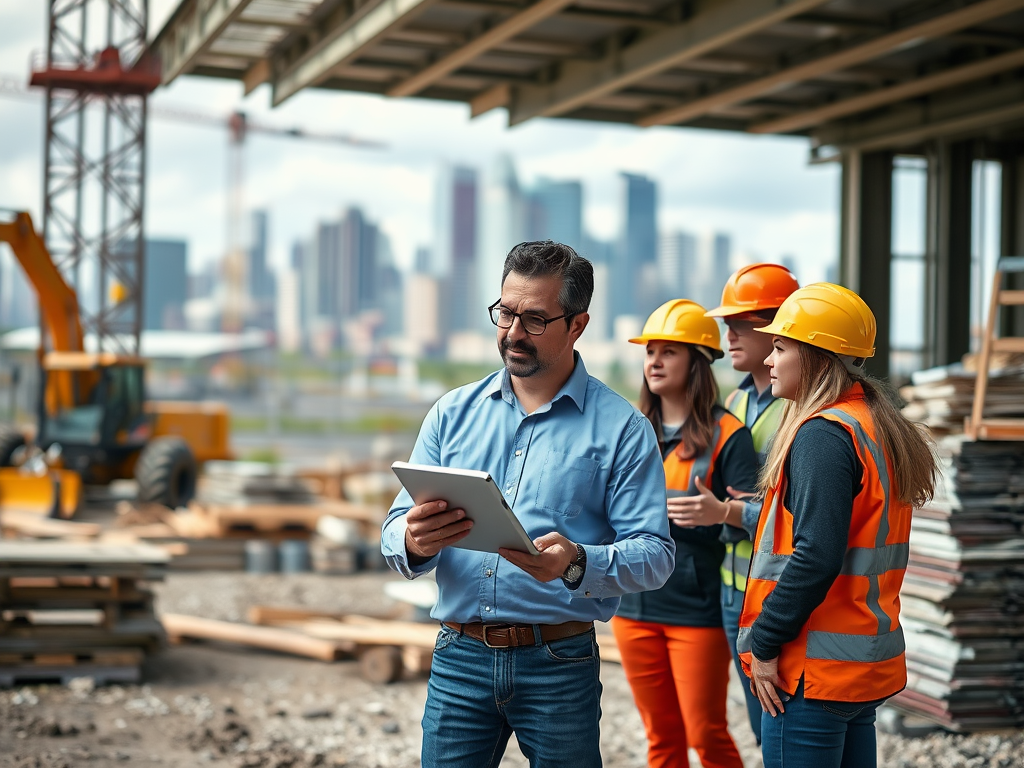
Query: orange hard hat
point(683, 321)
point(753, 288)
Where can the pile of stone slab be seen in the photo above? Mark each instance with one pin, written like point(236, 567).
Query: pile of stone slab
point(963, 596)
point(940, 398)
point(72, 610)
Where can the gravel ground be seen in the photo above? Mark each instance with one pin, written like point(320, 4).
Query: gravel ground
point(208, 705)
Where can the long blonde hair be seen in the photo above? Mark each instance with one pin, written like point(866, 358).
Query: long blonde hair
point(823, 381)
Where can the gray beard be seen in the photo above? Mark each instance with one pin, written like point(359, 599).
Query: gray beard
point(524, 369)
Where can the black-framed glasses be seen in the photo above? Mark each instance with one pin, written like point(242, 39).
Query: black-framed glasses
point(532, 323)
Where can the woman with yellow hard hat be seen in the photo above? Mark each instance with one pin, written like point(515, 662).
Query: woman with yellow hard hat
point(674, 650)
point(820, 632)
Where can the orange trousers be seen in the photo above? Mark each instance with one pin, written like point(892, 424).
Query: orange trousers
point(679, 677)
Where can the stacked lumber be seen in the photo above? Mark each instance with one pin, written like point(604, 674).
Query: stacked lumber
point(386, 648)
point(962, 596)
point(76, 610)
point(940, 398)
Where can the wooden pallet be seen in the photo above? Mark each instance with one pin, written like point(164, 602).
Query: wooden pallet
point(104, 665)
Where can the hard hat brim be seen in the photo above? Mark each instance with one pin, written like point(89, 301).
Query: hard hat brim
point(717, 354)
point(728, 310)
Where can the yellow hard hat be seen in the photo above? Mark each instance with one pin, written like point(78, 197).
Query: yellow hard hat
point(829, 317)
point(683, 321)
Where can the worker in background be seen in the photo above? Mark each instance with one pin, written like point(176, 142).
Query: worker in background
point(749, 300)
point(580, 466)
point(674, 651)
point(820, 633)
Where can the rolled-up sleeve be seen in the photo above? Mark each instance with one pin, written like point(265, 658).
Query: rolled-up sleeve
point(642, 556)
point(392, 540)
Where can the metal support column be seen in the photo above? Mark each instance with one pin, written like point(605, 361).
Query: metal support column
point(948, 293)
point(1012, 223)
point(865, 253)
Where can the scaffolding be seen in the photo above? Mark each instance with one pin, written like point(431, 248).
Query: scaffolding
point(97, 80)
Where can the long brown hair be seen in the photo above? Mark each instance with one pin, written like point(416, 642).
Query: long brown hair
point(823, 381)
point(702, 389)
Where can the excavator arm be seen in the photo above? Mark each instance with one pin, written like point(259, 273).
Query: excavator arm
point(58, 303)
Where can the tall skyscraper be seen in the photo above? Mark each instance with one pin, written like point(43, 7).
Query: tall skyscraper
point(261, 288)
point(557, 212)
point(636, 245)
point(454, 260)
point(677, 265)
point(502, 226)
point(165, 285)
point(714, 254)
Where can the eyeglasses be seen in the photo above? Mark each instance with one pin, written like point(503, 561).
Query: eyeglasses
point(532, 323)
point(741, 326)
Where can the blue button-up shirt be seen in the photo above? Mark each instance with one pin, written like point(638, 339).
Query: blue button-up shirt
point(585, 465)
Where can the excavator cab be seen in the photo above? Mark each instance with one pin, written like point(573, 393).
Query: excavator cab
point(103, 428)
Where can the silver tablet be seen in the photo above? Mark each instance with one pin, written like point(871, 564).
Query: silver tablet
point(494, 523)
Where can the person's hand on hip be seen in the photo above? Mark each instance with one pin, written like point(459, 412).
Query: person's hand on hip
point(556, 552)
point(430, 528)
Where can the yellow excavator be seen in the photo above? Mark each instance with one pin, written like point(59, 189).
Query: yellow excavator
point(95, 424)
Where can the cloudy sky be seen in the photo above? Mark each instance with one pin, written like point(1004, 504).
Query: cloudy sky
point(760, 189)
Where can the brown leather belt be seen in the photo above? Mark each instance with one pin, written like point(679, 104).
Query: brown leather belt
point(516, 635)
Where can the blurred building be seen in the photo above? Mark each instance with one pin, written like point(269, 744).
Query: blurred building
point(288, 310)
point(502, 225)
point(165, 285)
point(454, 257)
point(422, 321)
point(634, 263)
point(260, 278)
point(677, 264)
point(556, 212)
point(714, 257)
point(18, 303)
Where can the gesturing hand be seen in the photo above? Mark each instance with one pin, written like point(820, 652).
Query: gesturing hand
point(703, 509)
point(556, 552)
point(766, 684)
point(429, 528)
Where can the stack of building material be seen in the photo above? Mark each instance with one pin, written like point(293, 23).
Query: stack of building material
point(963, 596)
point(76, 610)
point(941, 398)
point(253, 483)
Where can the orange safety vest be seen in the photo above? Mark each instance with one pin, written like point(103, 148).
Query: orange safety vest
point(851, 648)
point(681, 473)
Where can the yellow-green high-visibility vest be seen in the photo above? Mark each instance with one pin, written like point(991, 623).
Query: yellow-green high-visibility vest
point(736, 564)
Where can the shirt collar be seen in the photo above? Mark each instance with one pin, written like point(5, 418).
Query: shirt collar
point(748, 386)
point(575, 387)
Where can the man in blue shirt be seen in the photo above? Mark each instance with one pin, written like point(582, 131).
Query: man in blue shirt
point(581, 468)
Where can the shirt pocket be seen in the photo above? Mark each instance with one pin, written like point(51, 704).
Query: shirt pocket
point(565, 484)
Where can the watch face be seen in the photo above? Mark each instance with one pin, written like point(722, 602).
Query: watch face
point(572, 573)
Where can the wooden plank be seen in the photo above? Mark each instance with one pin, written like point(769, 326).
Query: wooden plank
point(1008, 344)
point(31, 524)
point(371, 632)
point(271, 638)
point(14, 553)
point(270, 615)
point(1011, 298)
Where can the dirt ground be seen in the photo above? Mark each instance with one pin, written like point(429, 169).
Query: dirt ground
point(208, 705)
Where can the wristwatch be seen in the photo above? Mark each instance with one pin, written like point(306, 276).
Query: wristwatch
point(574, 571)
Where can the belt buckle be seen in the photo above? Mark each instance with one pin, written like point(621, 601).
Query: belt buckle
point(483, 630)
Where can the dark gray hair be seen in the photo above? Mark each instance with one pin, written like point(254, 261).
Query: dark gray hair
point(543, 258)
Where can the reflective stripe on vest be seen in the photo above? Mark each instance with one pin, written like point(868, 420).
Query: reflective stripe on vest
point(736, 564)
point(832, 661)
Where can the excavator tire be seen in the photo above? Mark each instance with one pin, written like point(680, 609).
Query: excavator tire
point(166, 472)
point(10, 441)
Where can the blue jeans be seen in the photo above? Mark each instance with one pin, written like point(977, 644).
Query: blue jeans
point(812, 733)
point(548, 694)
point(732, 606)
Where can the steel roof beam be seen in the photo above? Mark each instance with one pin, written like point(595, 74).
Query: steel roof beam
point(191, 32)
point(928, 84)
point(340, 42)
point(915, 34)
point(712, 25)
point(981, 109)
point(507, 29)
